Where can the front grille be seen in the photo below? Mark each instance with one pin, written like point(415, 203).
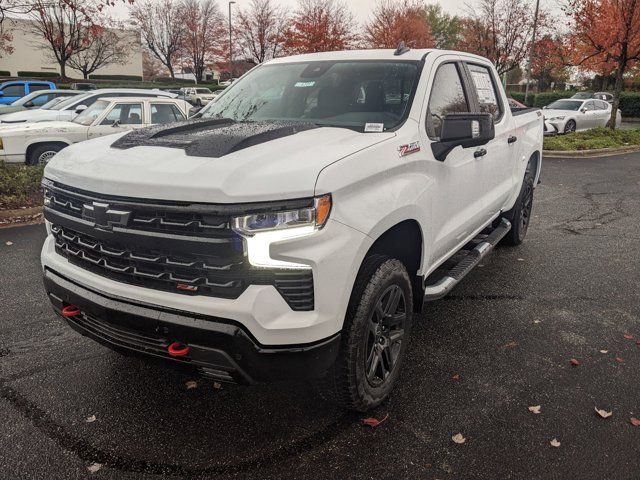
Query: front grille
point(177, 248)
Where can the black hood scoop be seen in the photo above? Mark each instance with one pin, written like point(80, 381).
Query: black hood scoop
point(210, 138)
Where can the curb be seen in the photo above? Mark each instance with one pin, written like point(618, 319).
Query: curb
point(597, 153)
point(20, 216)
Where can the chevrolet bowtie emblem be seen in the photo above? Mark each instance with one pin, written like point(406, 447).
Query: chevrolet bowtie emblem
point(104, 217)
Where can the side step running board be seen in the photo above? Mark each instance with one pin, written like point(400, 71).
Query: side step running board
point(443, 286)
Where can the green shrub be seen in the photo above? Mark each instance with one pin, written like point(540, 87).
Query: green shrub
point(174, 80)
point(5, 73)
point(630, 104)
point(593, 139)
point(135, 78)
point(19, 185)
point(39, 74)
point(545, 98)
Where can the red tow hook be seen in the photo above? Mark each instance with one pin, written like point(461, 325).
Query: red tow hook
point(70, 311)
point(178, 349)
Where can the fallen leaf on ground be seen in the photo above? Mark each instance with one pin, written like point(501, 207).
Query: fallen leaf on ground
point(628, 336)
point(510, 345)
point(635, 422)
point(555, 442)
point(638, 343)
point(217, 385)
point(521, 259)
point(603, 413)
point(374, 422)
point(604, 351)
point(91, 419)
point(574, 362)
point(9, 244)
point(619, 360)
point(536, 321)
point(191, 384)
point(458, 438)
point(94, 467)
point(456, 376)
point(535, 409)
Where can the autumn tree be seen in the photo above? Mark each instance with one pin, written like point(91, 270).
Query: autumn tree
point(396, 21)
point(445, 28)
point(259, 30)
point(548, 64)
point(501, 31)
point(606, 35)
point(105, 45)
point(204, 35)
point(64, 27)
point(319, 26)
point(162, 28)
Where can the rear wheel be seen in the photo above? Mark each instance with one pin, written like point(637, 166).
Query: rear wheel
point(570, 126)
point(41, 154)
point(520, 214)
point(374, 338)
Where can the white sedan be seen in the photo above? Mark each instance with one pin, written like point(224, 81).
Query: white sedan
point(571, 115)
point(37, 143)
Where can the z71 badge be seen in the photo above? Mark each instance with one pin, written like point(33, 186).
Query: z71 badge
point(408, 149)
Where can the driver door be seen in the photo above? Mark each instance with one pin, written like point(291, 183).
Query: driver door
point(456, 193)
point(119, 118)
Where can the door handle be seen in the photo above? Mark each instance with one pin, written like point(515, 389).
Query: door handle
point(480, 153)
point(512, 139)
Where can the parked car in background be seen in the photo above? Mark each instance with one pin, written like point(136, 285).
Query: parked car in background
point(293, 231)
point(36, 99)
point(514, 104)
point(37, 143)
point(226, 83)
point(84, 86)
point(69, 108)
point(606, 96)
point(198, 96)
point(570, 115)
point(14, 89)
point(582, 95)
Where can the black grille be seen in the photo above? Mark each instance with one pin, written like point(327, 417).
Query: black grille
point(165, 247)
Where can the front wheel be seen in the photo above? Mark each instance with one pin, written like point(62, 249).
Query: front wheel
point(570, 127)
point(374, 337)
point(41, 154)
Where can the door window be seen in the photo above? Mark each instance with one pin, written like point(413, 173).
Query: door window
point(485, 87)
point(34, 87)
point(447, 96)
point(13, 91)
point(42, 99)
point(601, 105)
point(590, 106)
point(125, 114)
point(165, 113)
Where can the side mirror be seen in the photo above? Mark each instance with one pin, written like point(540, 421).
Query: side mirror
point(29, 104)
point(463, 130)
point(80, 108)
point(583, 110)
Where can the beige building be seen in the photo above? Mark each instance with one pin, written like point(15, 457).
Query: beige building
point(28, 57)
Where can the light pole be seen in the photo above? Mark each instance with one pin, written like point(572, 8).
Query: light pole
point(230, 44)
point(533, 46)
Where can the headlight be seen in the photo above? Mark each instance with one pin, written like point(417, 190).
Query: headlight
point(557, 118)
point(260, 230)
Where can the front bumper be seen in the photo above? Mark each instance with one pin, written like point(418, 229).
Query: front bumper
point(219, 348)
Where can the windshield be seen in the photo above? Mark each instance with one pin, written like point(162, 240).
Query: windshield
point(88, 116)
point(583, 95)
point(70, 101)
point(565, 105)
point(342, 94)
point(203, 91)
point(53, 102)
point(26, 98)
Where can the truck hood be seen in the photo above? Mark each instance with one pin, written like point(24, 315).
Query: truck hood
point(30, 116)
point(39, 128)
point(222, 164)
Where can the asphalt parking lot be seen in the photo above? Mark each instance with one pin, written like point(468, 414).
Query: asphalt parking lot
point(508, 331)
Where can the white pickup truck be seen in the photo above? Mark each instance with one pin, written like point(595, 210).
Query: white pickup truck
point(293, 231)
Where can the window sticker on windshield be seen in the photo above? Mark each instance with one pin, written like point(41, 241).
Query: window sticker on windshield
point(304, 84)
point(484, 86)
point(373, 127)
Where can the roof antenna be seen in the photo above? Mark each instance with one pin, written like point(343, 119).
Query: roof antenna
point(402, 49)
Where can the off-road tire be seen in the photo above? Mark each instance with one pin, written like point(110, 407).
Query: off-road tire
point(38, 151)
point(520, 214)
point(346, 383)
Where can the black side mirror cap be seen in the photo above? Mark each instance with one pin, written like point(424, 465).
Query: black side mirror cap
point(463, 130)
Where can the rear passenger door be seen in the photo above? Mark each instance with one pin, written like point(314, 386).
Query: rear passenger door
point(499, 162)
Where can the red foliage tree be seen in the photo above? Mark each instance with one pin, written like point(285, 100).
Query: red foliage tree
point(396, 21)
point(548, 61)
point(320, 26)
point(606, 37)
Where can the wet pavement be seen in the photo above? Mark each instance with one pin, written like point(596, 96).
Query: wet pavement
point(509, 330)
